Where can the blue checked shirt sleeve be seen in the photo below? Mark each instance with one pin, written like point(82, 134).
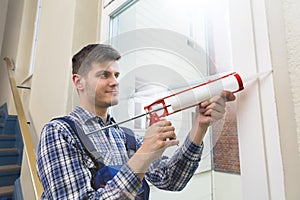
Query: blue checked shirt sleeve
point(64, 169)
point(174, 173)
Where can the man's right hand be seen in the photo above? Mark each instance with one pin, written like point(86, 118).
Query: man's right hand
point(158, 137)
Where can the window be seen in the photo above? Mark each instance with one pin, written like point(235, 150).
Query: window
point(175, 43)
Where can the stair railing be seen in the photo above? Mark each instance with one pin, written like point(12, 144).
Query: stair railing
point(27, 140)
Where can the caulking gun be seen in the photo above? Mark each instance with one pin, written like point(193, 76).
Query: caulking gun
point(188, 98)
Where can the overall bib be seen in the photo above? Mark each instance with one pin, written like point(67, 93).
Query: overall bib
point(104, 173)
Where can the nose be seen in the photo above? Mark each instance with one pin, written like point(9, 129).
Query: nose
point(114, 81)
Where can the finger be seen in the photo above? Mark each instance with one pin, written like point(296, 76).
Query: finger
point(217, 107)
point(204, 104)
point(163, 123)
point(202, 110)
point(214, 114)
point(210, 104)
point(170, 143)
point(221, 99)
point(229, 96)
point(217, 99)
point(163, 136)
point(166, 129)
point(169, 135)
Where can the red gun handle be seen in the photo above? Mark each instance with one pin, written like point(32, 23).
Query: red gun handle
point(154, 118)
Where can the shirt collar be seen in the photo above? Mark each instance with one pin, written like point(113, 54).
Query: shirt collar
point(86, 116)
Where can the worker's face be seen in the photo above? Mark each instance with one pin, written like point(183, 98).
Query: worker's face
point(101, 86)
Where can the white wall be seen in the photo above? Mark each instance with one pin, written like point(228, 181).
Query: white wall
point(227, 186)
point(10, 44)
point(3, 9)
point(283, 25)
point(199, 188)
point(292, 31)
point(63, 31)
point(207, 185)
point(292, 36)
point(53, 62)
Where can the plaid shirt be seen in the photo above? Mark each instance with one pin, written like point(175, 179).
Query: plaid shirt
point(64, 167)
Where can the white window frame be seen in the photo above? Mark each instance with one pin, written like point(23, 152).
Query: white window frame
point(107, 12)
point(35, 37)
point(260, 153)
point(259, 142)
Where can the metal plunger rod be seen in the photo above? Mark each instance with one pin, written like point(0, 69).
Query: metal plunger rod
point(128, 120)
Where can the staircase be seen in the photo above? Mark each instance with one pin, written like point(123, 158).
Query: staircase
point(11, 151)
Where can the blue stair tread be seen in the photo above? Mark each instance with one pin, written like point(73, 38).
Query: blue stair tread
point(6, 191)
point(10, 168)
point(8, 136)
point(9, 150)
point(8, 140)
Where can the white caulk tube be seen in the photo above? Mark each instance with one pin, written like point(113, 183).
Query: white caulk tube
point(192, 96)
point(187, 98)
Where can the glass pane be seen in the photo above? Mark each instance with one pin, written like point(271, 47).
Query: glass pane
point(168, 46)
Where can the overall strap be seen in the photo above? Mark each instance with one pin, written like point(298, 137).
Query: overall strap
point(85, 140)
point(90, 147)
point(130, 141)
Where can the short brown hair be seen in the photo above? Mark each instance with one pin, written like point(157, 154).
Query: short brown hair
point(99, 53)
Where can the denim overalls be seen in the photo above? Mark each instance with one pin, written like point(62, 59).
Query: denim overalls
point(104, 173)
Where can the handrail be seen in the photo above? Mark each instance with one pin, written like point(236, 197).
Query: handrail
point(27, 140)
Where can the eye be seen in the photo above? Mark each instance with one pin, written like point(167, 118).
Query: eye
point(104, 74)
point(117, 75)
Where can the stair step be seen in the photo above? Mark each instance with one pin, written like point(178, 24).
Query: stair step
point(9, 150)
point(8, 136)
point(10, 156)
point(8, 174)
point(9, 168)
point(6, 191)
point(7, 141)
point(10, 124)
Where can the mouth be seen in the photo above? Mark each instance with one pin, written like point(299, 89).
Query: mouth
point(113, 92)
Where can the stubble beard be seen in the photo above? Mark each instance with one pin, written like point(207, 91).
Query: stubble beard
point(106, 104)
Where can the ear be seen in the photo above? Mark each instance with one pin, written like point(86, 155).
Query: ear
point(78, 81)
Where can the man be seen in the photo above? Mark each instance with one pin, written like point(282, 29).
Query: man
point(67, 169)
